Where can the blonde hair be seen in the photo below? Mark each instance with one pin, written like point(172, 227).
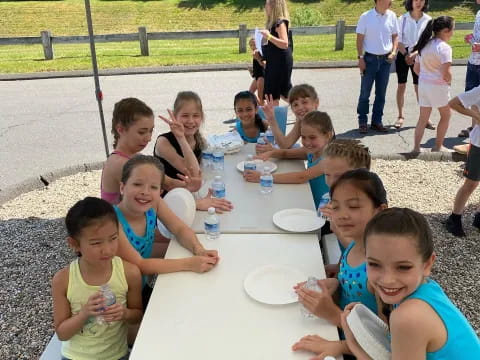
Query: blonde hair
point(182, 98)
point(278, 11)
point(352, 151)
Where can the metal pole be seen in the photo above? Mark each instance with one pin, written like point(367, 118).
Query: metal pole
point(98, 91)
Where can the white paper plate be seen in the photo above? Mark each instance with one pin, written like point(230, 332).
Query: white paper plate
point(298, 220)
point(260, 165)
point(370, 332)
point(182, 203)
point(273, 284)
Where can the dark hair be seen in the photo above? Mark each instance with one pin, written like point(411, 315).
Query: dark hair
point(353, 151)
point(247, 95)
point(403, 221)
point(409, 5)
point(319, 120)
point(302, 91)
point(125, 113)
point(366, 181)
point(86, 212)
point(180, 100)
point(431, 31)
point(142, 160)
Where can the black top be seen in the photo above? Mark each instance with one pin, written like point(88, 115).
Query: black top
point(170, 170)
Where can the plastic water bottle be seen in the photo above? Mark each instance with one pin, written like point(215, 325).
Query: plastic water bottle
point(312, 284)
point(207, 158)
point(261, 139)
point(218, 187)
point(218, 159)
point(269, 135)
point(266, 181)
point(212, 225)
point(110, 299)
point(250, 164)
point(323, 202)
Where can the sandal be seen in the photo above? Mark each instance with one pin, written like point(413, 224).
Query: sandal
point(430, 126)
point(399, 123)
point(465, 132)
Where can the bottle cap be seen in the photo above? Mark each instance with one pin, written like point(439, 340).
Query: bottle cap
point(250, 157)
point(266, 168)
point(211, 210)
point(218, 177)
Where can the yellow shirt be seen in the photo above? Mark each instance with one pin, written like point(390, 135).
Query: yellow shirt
point(99, 341)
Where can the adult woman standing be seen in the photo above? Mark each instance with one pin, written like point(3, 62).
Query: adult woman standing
point(411, 25)
point(277, 51)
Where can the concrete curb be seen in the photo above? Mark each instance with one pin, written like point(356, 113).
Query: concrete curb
point(178, 69)
point(43, 180)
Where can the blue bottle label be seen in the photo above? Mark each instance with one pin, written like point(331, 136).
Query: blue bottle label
point(266, 182)
point(218, 159)
point(250, 166)
point(219, 193)
point(211, 227)
point(207, 156)
point(270, 138)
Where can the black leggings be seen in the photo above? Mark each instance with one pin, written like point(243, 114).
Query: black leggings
point(402, 70)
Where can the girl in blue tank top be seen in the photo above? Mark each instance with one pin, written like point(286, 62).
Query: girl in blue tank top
point(424, 323)
point(356, 197)
point(249, 124)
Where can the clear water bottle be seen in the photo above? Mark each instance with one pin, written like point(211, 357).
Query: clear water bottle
point(212, 225)
point(261, 139)
point(110, 299)
point(323, 202)
point(207, 157)
point(250, 164)
point(269, 135)
point(312, 284)
point(266, 181)
point(218, 187)
point(218, 159)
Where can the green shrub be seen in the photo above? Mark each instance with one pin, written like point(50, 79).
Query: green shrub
point(306, 16)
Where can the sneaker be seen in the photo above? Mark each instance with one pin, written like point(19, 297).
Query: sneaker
point(454, 228)
point(378, 127)
point(461, 149)
point(363, 129)
point(476, 220)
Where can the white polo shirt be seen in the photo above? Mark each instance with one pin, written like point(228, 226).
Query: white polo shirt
point(409, 29)
point(378, 30)
point(469, 99)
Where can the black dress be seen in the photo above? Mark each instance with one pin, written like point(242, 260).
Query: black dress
point(278, 71)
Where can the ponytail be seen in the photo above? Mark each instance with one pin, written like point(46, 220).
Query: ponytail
point(425, 37)
point(432, 30)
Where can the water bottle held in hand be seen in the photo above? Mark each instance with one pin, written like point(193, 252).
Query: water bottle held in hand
point(110, 299)
point(218, 187)
point(266, 181)
point(323, 202)
point(218, 159)
point(250, 164)
point(269, 135)
point(261, 139)
point(212, 225)
point(312, 284)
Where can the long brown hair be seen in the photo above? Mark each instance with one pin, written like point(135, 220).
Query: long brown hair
point(180, 100)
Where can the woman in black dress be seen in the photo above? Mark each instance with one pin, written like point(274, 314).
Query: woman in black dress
point(278, 51)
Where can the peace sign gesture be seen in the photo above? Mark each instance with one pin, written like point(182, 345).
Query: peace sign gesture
point(176, 127)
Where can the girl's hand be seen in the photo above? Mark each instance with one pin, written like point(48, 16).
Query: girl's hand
point(468, 38)
point(319, 346)
point(201, 264)
point(115, 312)
point(332, 270)
point(94, 305)
point(220, 205)
point(265, 33)
point(209, 253)
point(319, 303)
point(476, 47)
point(193, 182)
point(352, 343)
point(269, 109)
point(264, 156)
point(175, 125)
point(410, 59)
point(326, 210)
point(260, 149)
point(251, 176)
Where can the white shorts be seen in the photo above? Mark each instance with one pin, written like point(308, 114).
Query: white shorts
point(433, 95)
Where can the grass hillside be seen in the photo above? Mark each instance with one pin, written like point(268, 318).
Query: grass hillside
point(67, 17)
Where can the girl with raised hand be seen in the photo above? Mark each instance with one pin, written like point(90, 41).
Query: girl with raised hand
point(181, 148)
point(433, 65)
point(88, 326)
point(356, 197)
point(249, 124)
point(137, 213)
point(424, 323)
point(317, 131)
point(132, 128)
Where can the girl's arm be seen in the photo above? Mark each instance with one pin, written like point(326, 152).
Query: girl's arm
point(457, 105)
point(352, 344)
point(283, 141)
point(282, 40)
point(446, 72)
point(298, 153)
point(134, 309)
point(166, 151)
point(112, 173)
point(66, 324)
point(298, 177)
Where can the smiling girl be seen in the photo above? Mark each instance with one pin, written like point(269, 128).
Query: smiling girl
point(249, 124)
point(424, 322)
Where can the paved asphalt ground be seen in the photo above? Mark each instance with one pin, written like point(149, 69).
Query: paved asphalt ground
point(50, 124)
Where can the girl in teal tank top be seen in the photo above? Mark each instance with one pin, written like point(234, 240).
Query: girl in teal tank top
point(249, 124)
point(424, 323)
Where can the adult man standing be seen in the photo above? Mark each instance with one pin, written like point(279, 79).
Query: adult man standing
point(377, 42)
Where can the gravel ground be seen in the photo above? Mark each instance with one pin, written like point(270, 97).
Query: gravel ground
point(33, 246)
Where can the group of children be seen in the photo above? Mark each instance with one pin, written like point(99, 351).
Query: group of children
point(386, 261)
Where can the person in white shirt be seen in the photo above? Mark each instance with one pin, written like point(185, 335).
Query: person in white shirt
point(411, 25)
point(377, 33)
point(467, 103)
point(433, 65)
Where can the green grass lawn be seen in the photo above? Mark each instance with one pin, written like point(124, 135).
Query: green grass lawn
point(28, 18)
